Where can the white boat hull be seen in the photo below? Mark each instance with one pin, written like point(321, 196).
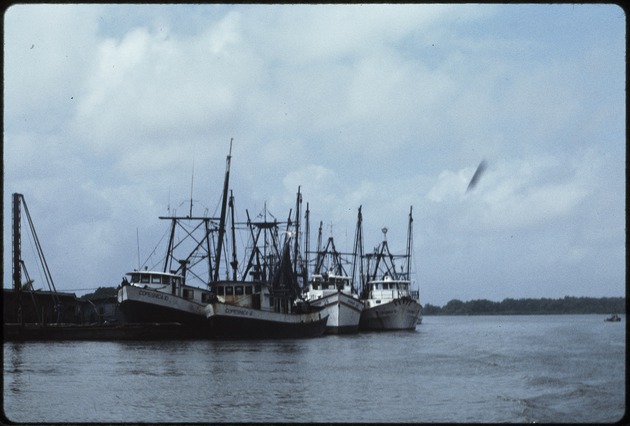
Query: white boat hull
point(343, 310)
point(398, 314)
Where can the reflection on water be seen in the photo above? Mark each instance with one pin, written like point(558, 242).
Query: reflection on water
point(15, 375)
point(452, 369)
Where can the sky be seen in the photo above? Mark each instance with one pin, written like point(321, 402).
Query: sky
point(115, 115)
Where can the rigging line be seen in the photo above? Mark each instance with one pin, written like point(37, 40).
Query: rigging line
point(154, 249)
point(40, 251)
point(189, 234)
point(196, 276)
point(39, 270)
point(198, 259)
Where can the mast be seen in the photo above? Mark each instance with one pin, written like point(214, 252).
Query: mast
point(208, 248)
point(17, 244)
point(296, 243)
point(306, 243)
point(409, 243)
point(223, 210)
point(234, 262)
point(17, 254)
point(169, 249)
point(319, 239)
point(358, 252)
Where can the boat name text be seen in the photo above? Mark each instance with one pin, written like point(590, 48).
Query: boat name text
point(154, 295)
point(238, 311)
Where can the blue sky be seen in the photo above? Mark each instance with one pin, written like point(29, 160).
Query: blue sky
point(107, 107)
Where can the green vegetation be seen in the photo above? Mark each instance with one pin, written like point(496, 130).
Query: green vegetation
point(101, 293)
point(566, 305)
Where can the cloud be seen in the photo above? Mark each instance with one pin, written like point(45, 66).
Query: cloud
point(143, 86)
point(383, 106)
point(515, 193)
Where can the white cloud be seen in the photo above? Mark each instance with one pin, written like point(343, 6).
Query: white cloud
point(383, 106)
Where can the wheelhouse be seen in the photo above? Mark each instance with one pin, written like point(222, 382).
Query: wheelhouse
point(330, 282)
point(241, 293)
point(389, 285)
point(154, 279)
point(389, 289)
point(237, 288)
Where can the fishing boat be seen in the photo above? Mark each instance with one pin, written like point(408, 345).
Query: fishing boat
point(334, 294)
point(274, 319)
point(390, 303)
point(330, 287)
point(161, 297)
point(266, 305)
point(166, 295)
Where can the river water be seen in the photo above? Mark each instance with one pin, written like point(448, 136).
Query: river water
point(559, 368)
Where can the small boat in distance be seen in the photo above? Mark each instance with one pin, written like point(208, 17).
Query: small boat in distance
point(390, 303)
point(613, 318)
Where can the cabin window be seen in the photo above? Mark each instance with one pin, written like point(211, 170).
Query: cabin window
point(248, 289)
point(257, 288)
point(135, 278)
point(166, 280)
point(144, 278)
point(238, 290)
point(177, 281)
point(189, 294)
point(220, 290)
point(204, 297)
point(156, 279)
point(229, 290)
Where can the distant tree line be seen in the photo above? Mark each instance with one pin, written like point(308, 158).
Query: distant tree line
point(101, 293)
point(566, 305)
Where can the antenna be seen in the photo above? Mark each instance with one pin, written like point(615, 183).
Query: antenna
point(168, 205)
point(192, 180)
point(138, 244)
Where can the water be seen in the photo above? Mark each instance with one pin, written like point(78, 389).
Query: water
point(451, 369)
